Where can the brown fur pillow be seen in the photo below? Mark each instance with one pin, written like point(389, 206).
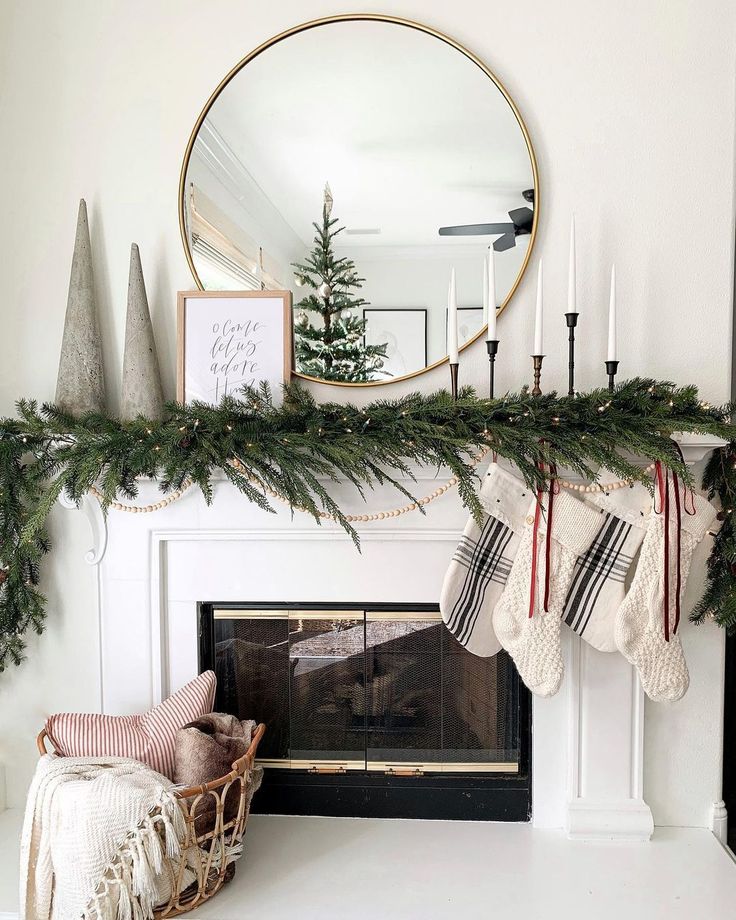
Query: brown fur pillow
point(205, 751)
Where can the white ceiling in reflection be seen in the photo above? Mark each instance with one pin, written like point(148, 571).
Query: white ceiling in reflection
point(410, 134)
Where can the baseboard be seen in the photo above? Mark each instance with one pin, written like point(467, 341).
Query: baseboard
point(628, 821)
point(719, 821)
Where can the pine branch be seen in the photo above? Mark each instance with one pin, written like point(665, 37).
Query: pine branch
point(293, 448)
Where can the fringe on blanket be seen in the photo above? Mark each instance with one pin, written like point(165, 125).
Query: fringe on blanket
point(128, 889)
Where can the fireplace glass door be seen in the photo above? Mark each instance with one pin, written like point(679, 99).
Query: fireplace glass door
point(367, 693)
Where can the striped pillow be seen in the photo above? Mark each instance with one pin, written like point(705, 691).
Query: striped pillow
point(149, 738)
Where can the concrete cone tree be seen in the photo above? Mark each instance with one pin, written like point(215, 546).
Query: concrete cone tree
point(80, 385)
point(142, 391)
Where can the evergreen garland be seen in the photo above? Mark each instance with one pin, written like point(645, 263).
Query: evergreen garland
point(293, 448)
point(719, 597)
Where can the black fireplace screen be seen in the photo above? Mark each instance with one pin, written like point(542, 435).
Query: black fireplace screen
point(367, 692)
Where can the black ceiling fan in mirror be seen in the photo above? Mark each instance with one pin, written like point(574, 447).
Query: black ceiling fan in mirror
point(521, 223)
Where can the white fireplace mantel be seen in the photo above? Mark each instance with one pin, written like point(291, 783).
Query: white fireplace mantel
point(153, 569)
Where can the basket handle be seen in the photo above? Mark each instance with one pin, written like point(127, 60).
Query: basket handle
point(246, 760)
point(41, 742)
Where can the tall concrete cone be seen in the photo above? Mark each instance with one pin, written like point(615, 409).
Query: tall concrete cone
point(80, 385)
point(142, 391)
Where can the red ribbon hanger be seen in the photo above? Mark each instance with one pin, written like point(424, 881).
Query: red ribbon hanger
point(554, 488)
point(661, 478)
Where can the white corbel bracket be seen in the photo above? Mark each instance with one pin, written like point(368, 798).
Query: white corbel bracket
point(91, 509)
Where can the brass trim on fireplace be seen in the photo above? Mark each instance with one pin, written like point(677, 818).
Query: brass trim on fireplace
point(326, 615)
point(274, 763)
point(419, 768)
point(404, 616)
point(392, 768)
point(327, 766)
point(248, 614)
point(404, 771)
point(281, 613)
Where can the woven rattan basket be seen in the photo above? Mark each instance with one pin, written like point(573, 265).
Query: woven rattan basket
point(209, 845)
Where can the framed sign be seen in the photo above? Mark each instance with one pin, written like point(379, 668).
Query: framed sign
point(228, 340)
point(469, 323)
point(404, 333)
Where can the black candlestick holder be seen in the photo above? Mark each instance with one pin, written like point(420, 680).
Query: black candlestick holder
point(572, 320)
point(611, 369)
point(492, 346)
point(453, 378)
point(536, 389)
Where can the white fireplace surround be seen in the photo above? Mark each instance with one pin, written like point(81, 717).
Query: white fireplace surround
point(153, 569)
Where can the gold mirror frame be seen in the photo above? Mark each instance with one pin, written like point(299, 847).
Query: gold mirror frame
point(366, 17)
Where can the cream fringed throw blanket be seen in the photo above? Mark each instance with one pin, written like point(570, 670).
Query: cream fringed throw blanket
point(93, 840)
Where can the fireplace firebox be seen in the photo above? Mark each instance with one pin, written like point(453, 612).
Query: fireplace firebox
point(373, 710)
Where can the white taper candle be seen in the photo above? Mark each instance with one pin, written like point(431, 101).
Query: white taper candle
point(452, 320)
point(485, 289)
point(572, 298)
point(491, 297)
point(612, 318)
point(538, 324)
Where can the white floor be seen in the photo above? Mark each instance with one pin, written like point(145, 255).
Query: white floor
point(430, 870)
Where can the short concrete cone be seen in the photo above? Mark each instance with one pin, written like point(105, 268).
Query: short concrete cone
point(80, 386)
point(142, 391)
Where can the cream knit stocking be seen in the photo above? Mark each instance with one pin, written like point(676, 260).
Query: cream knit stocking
point(534, 641)
point(478, 571)
point(646, 630)
point(598, 584)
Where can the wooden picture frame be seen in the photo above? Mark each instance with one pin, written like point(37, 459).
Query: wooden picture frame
point(417, 317)
point(474, 313)
point(212, 363)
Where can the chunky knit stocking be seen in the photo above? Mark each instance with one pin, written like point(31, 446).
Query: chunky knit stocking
point(478, 571)
point(648, 619)
point(597, 588)
point(526, 626)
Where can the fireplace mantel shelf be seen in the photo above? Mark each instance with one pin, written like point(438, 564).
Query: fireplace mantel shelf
point(694, 449)
point(153, 570)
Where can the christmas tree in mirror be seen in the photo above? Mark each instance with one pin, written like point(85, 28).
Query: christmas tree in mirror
point(334, 347)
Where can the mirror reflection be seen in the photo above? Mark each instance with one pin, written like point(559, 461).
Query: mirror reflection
point(356, 163)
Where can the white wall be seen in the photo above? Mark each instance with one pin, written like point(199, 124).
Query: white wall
point(631, 108)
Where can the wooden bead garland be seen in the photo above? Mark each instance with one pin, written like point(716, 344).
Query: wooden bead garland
point(359, 518)
point(600, 486)
point(145, 509)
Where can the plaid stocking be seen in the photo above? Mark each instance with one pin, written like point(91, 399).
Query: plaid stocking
point(528, 620)
point(649, 617)
point(597, 588)
point(482, 561)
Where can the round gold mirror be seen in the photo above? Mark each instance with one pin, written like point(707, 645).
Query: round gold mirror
point(358, 161)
